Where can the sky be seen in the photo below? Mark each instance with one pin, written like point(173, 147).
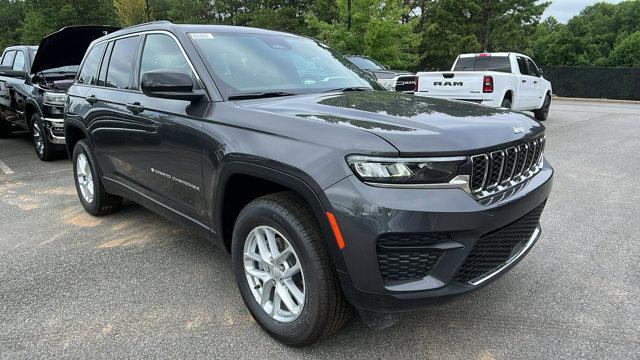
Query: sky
point(563, 10)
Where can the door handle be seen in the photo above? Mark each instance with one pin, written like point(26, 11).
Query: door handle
point(524, 81)
point(92, 99)
point(135, 107)
point(535, 82)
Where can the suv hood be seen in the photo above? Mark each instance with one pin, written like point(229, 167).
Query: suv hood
point(67, 46)
point(414, 125)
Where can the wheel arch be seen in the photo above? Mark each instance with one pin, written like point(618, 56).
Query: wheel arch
point(225, 213)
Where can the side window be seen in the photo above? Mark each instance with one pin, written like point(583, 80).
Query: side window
point(120, 73)
point(89, 72)
point(18, 63)
point(7, 59)
point(522, 64)
point(533, 68)
point(102, 79)
point(161, 52)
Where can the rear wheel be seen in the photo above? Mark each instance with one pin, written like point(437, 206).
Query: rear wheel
point(5, 128)
point(506, 103)
point(543, 113)
point(93, 196)
point(283, 271)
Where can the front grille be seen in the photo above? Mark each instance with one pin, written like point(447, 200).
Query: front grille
point(494, 249)
point(502, 169)
point(406, 83)
point(403, 257)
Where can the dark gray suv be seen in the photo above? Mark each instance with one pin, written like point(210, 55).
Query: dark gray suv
point(328, 192)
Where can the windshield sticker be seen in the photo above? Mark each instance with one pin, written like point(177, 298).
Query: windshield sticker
point(201, 36)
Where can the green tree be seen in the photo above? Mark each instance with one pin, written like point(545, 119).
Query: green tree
point(11, 16)
point(131, 12)
point(46, 16)
point(377, 31)
point(451, 27)
point(627, 52)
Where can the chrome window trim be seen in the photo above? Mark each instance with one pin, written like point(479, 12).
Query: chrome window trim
point(164, 32)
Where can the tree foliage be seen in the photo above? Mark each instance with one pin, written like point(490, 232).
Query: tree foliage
point(408, 34)
point(377, 30)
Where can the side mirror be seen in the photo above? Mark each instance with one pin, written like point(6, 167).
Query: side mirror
point(9, 72)
point(170, 84)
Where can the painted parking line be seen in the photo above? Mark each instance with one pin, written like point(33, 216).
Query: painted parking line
point(5, 169)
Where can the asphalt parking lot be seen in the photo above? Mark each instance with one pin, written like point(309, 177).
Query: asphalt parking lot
point(133, 285)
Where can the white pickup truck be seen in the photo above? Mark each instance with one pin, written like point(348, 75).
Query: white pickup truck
point(507, 80)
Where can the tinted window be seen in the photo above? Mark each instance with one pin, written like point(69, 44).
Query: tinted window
point(533, 68)
point(249, 63)
point(102, 79)
point(364, 63)
point(18, 63)
point(89, 71)
point(7, 59)
point(484, 63)
point(120, 73)
point(522, 65)
point(162, 52)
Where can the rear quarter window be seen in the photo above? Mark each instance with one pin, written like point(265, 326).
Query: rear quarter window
point(89, 72)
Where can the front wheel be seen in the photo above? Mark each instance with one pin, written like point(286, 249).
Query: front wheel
point(45, 150)
point(543, 113)
point(93, 196)
point(5, 128)
point(283, 271)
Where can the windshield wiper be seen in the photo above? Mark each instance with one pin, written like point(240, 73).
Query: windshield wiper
point(351, 88)
point(258, 95)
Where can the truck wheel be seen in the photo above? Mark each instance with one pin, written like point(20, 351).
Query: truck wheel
point(45, 150)
point(506, 103)
point(283, 271)
point(5, 128)
point(93, 196)
point(543, 113)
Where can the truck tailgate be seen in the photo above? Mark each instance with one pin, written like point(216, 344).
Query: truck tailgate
point(462, 84)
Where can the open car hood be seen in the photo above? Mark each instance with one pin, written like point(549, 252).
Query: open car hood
point(67, 46)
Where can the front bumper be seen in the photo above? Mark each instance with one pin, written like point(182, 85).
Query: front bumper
point(54, 128)
point(365, 213)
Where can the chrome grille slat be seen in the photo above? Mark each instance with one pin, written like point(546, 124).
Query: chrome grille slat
point(503, 169)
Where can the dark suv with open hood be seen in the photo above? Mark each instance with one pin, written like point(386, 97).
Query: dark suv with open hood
point(394, 80)
point(33, 83)
point(328, 192)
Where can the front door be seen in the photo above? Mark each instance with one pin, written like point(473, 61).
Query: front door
point(526, 85)
point(165, 137)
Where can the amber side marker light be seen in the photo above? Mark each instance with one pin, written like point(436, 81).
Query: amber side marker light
point(336, 230)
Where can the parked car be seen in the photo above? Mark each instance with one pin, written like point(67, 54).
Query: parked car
point(393, 80)
point(33, 84)
point(507, 80)
point(329, 192)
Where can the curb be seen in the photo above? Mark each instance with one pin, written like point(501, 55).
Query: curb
point(560, 98)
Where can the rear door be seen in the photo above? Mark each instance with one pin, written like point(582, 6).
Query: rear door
point(526, 85)
point(108, 117)
point(166, 137)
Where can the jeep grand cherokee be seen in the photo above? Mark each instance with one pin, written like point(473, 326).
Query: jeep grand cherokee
point(328, 192)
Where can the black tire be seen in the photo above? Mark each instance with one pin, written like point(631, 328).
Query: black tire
point(5, 128)
point(45, 150)
point(543, 113)
point(325, 308)
point(103, 203)
point(506, 103)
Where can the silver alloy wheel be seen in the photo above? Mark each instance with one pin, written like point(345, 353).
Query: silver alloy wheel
point(274, 274)
point(37, 138)
point(85, 178)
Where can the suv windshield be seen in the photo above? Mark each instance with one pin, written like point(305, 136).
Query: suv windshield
point(365, 63)
point(245, 64)
point(484, 63)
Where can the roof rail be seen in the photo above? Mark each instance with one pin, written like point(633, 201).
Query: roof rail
point(149, 23)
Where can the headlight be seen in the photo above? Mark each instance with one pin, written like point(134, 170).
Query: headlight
point(54, 99)
point(389, 84)
point(405, 171)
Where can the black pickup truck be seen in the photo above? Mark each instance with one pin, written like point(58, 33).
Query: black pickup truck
point(34, 81)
